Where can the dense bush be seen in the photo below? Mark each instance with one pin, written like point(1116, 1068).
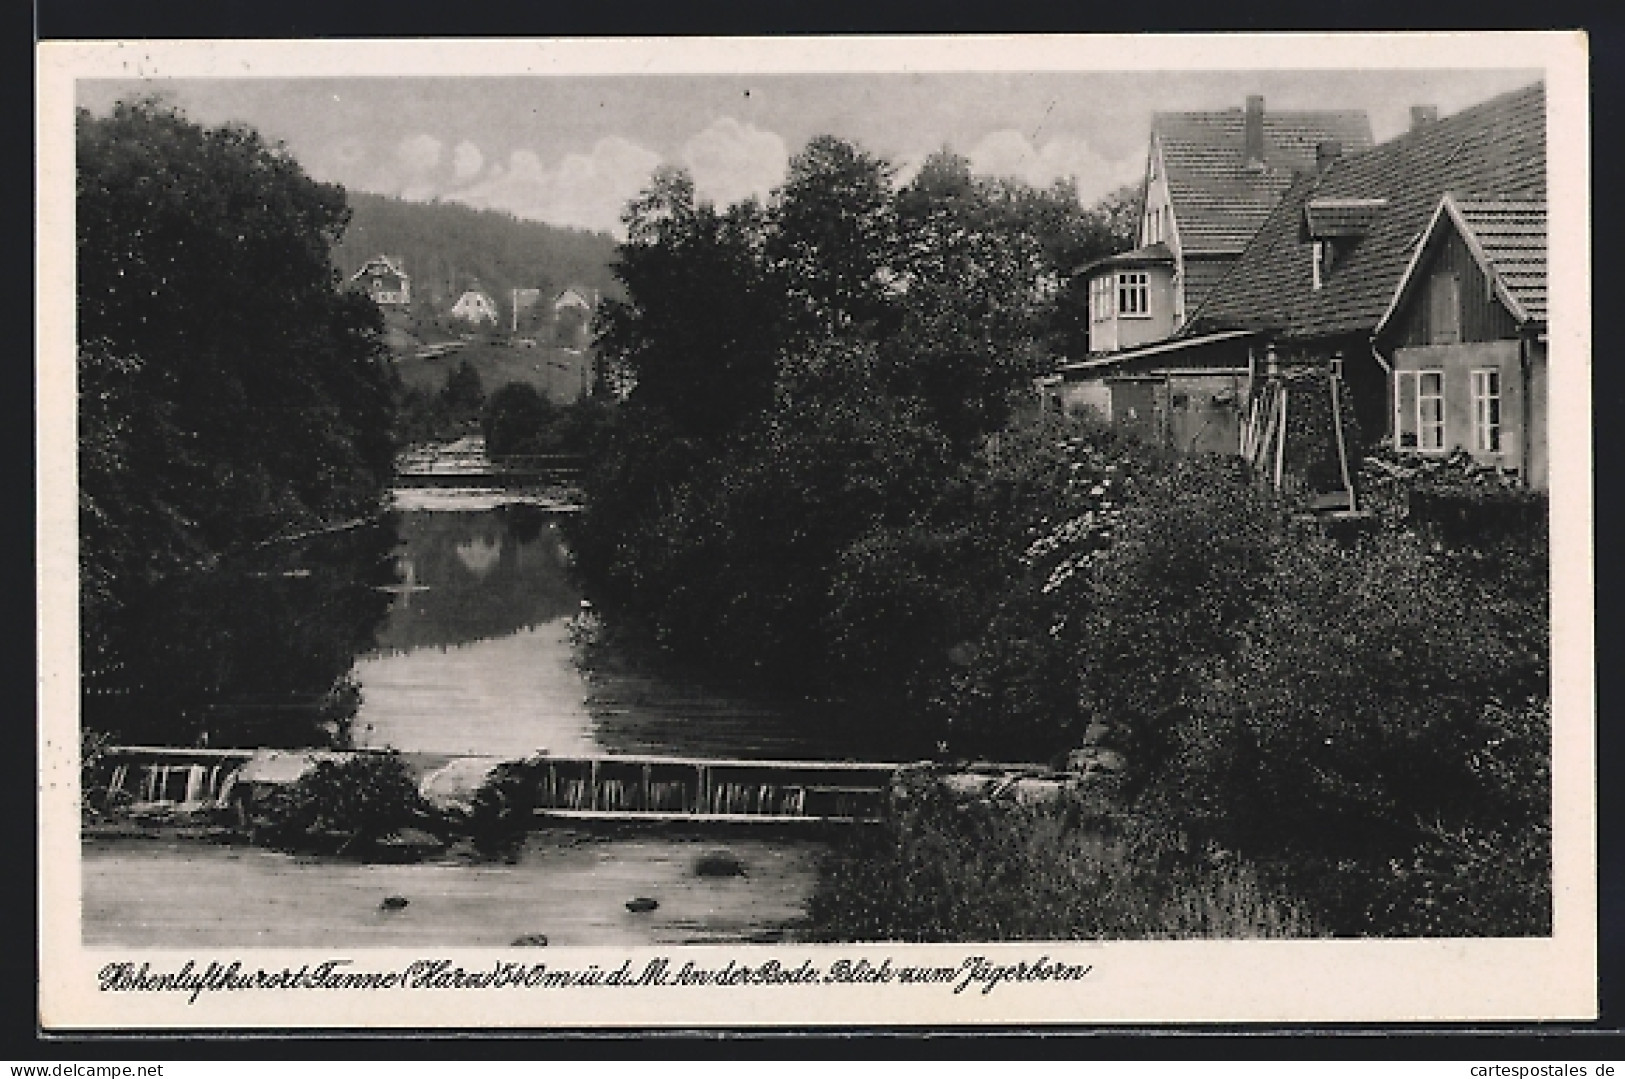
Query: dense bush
point(346, 804)
point(944, 867)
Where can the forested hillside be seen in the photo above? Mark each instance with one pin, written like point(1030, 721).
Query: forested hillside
point(447, 248)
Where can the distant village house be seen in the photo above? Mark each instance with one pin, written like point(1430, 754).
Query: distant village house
point(384, 279)
point(474, 306)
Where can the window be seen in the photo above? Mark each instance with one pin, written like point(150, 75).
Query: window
point(1444, 309)
point(1133, 294)
point(1100, 298)
point(1419, 410)
point(1487, 411)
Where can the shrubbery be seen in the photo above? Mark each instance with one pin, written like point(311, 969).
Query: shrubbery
point(944, 867)
point(872, 517)
point(346, 805)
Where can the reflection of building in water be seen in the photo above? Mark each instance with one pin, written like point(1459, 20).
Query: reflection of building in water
point(480, 554)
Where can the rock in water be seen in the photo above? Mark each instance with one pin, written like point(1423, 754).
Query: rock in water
point(530, 940)
point(393, 902)
point(641, 905)
point(719, 863)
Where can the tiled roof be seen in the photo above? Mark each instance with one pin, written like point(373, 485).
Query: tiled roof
point(389, 264)
point(1219, 201)
point(1150, 255)
point(1201, 275)
point(1513, 236)
point(1493, 151)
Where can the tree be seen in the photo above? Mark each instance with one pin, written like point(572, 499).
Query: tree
point(698, 334)
point(518, 420)
point(463, 396)
point(229, 390)
point(833, 234)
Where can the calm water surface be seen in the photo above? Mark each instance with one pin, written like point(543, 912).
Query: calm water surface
point(475, 656)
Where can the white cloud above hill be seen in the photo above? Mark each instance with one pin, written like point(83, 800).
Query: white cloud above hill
point(582, 191)
point(731, 161)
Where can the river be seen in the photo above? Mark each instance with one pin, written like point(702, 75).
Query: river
point(475, 655)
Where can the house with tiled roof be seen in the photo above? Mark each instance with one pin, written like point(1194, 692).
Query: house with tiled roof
point(1211, 180)
point(476, 306)
point(1466, 336)
point(1337, 271)
point(384, 279)
point(1213, 177)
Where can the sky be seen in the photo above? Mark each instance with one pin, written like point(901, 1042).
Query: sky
point(572, 149)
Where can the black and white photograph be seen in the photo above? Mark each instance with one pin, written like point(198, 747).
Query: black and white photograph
point(911, 531)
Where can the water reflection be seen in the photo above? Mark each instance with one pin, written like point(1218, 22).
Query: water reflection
point(473, 576)
point(476, 657)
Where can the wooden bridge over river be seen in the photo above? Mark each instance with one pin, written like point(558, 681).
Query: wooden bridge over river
point(464, 463)
point(153, 780)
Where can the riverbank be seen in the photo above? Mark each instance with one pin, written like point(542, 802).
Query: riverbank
point(167, 889)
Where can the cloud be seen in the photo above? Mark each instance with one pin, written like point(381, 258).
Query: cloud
point(731, 161)
point(584, 190)
point(1010, 153)
point(467, 161)
point(418, 155)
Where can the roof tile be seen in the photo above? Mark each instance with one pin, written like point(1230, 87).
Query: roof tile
point(1219, 201)
point(1492, 152)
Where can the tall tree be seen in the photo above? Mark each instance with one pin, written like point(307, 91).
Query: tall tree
point(833, 235)
point(698, 334)
point(229, 390)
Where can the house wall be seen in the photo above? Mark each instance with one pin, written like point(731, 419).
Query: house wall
point(1538, 428)
point(1457, 362)
point(1158, 204)
point(1086, 395)
point(1203, 411)
point(1482, 316)
point(1122, 332)
point(1191, 411)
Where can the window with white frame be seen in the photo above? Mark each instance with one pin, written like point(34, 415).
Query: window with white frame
point(1100, 297)
point(1419, 410)
point(1487, 411)
point(1133, 294)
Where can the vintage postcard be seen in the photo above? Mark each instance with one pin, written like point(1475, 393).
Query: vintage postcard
point(879, 532)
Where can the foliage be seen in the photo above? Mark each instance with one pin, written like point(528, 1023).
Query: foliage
point(504, 807)
point(230, 392)
point(797, 464)
point(463, 397)
point(1339, 713)
point(517, 420)
point(698, 336)
point(354, 801)
point(946, 867)
point(846, 497)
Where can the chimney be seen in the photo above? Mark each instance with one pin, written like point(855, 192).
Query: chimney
point(1326, 153)
point(1423, 115)
point(1253, 133)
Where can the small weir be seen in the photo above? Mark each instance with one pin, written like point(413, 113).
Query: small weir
point(676, 788)
point(153, 778)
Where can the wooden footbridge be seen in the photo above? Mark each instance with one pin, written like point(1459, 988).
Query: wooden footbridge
point(155, 779)
point(465, 464)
